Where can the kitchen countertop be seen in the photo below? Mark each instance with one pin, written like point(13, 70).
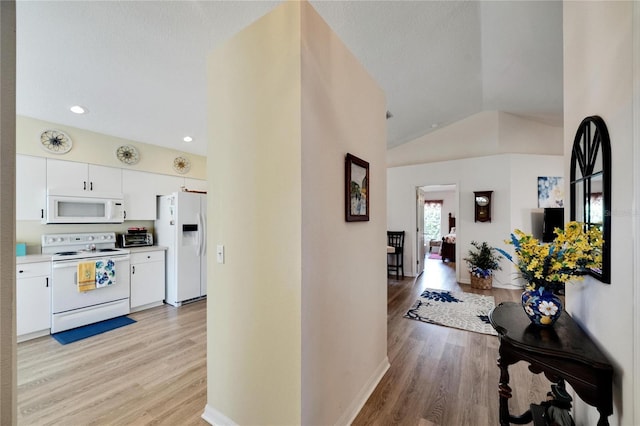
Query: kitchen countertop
point(35, 258)
point(146, 248)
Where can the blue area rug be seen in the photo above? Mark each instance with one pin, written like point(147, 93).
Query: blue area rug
point(75, 334)
point(466, 311)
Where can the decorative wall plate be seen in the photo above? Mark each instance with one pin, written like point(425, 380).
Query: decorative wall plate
point(127, 154)
point(181, 165)
point(56, 141)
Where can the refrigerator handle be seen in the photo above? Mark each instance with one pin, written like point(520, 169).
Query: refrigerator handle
point(200, 231)
point(203, 235)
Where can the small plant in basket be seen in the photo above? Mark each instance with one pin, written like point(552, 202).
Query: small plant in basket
point(482, 260)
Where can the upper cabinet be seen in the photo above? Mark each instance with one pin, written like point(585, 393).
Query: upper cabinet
point(141, 189)
point(31, 187)
point(83, 177)
point(195, 184)
point(139, 195)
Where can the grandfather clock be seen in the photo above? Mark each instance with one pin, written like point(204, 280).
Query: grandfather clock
point(482, 202)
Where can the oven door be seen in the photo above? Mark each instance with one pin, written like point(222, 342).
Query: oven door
point(64, 285)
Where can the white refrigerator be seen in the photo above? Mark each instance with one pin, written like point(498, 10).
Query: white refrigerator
point(181, 227)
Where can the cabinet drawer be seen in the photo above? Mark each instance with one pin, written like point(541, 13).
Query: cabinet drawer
point(147, 256)
point(28, 270)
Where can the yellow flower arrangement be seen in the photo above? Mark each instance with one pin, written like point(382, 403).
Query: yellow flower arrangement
point(575, 250)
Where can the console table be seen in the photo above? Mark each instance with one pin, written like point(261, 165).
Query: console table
point(563, 352)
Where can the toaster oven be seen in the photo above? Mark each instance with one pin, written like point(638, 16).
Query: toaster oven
point(136, 240)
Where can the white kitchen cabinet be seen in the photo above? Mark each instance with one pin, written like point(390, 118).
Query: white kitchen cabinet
point(75, 176)
point(139, 194)
point(33, 300)
point(147, 279)
point(166, 184)
point(195, 184)
point(31, 187)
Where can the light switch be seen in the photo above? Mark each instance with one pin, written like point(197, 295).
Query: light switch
point(220, 253)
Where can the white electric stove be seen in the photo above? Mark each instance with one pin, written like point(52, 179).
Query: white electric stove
point(71, 307)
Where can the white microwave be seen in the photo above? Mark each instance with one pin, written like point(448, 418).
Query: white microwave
point(84, 207)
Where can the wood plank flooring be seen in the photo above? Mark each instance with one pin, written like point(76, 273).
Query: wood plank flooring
point(441, 376)
point(150, 372)
point(154, 371)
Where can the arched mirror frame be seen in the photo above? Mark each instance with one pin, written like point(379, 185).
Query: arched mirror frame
point(590, 167)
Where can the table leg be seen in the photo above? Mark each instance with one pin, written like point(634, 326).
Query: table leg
point(504, 391)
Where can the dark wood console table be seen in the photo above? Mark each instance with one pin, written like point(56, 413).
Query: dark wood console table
point(563, 352)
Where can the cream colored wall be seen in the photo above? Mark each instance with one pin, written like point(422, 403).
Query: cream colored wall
point(598, 79)
point(254, 298)
point(297, 314)
point(484, 133)
point(474, 136)
point(344, 286)
point(99, 148)
point(94, 148)
point(523, 136)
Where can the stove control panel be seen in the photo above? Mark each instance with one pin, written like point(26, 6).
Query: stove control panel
point(88, 240)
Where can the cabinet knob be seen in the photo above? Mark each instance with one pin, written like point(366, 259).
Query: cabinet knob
point(20, 271)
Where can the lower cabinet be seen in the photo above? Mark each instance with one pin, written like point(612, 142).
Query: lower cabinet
point(147, 279)
point(33, 300)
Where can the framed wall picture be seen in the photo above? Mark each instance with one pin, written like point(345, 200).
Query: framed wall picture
point(356, 189)
point(550, 191)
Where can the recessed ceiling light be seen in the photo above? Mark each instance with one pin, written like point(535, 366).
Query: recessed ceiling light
point(77, 109)
point(434, 125)
point(187, 139)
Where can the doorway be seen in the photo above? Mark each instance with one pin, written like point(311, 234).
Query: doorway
point(433, 205)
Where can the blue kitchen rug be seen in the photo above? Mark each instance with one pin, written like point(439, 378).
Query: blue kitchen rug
point(466, 311)
point(75, 334)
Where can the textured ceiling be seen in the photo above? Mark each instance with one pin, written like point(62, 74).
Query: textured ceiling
point(140, 67)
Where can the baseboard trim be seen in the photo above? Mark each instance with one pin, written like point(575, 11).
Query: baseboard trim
point(215, 417)
point(358, 402)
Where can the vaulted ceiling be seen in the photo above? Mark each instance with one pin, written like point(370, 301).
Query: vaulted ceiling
point(140, 66)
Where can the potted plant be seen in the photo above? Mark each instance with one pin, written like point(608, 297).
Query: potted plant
point(482, 261)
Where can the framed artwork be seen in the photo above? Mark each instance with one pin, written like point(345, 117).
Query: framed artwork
point(356, 189)
point(550, 191)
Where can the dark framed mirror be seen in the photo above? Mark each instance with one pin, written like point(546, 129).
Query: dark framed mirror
point(591, 185)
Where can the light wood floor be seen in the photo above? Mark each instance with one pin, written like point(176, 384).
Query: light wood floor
point(154, 371)
point(440, 375)
point(150, 372)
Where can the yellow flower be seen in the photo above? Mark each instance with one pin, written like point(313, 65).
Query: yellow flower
point(576, 249)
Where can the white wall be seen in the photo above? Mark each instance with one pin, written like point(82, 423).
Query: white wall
point(484, 133)
point(296, 316)
point(599, 54)
point(511, 177)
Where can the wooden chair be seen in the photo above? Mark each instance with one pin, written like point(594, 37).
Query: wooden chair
point(395, 260)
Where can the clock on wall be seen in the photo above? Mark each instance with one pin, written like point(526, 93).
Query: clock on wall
point(482, 202)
